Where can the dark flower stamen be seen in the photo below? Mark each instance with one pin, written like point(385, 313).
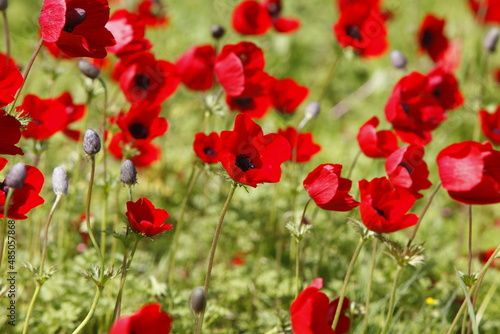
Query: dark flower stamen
point(243, 102)
point(427, 38)
point(406, 166)
point(74, 17)
point(138, 131)
point(380, 212)
point(209, 151)
point(405, 106)
point(354, 32)
point(244, 162)
point(142, 81)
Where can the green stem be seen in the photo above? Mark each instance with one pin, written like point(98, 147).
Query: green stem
point(329, 78)
point(469, 265)
point(180, 223)
point(3, 229)
point(7, 35)
point(354, 162)
point(105, 174)
point(392, 300)
point(30, 308)
point(212, 251)
point(355, 256)
point(92, 310)
point(369, 285)
point(297, 266)
point(46, 235)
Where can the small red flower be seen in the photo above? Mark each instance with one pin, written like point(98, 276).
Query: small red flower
point(149, 319)
point(486, 10)
point(407, 169)
point(376, 144)
point(77, 26)
point(129, 31)
point(470, 172)
point(444, 87)
point(10, 82)
point(141, 122)
point(25, 198)
point(143, 78)
point(145, 219)
point(280, 23)
point(249, 156)
point(153, 13)
point(254, 107)
point(302, 144)
point(362, 27)
point(328, 190)
point(196, 67)
point(207, 147)
point(490, 124)
point(10, 128)
point(431, 38)
point(142, 153)
point(485, 256)
point(383, 208)
point(312, 312)
point(286, 95)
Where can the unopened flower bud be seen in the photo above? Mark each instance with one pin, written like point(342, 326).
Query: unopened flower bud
point(16, 176)
point(398, 59)
point(91, 142)
point(197, 300)
point(88, 69)
point(217, 31)
point(312, 110)
point(491, 40)
point(4, 4)
point(59, 181)
point(128, 172)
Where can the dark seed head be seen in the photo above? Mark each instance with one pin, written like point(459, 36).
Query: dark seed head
point(88, 69)
point(398, 59)
point(217, 31)
point(491, 40)
point(16, 176)
point(4, 4)
point(128, 172)
point(197, 300)
point(91, 142)
point(59, 181)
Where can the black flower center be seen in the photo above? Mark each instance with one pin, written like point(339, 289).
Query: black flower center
point(427, 38)
point(380, 212)
point(209, 151)
point(142, 81)
point(244, 162)
point(243, 101)
point(74, 17)
point(405, 106)
point(4, 188)
point(406, 166)
point(273, 9)
point(437, 92)
point(354, 32)
point(138, 131)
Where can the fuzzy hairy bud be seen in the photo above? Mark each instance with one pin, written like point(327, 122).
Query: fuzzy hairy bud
point(491, 40)
point(398, 59)
point(4, 4)
point(59, 181)
point(88, 69)
point(128, 173)
point(197, 300)
point(16, 176)
point(217, 31)
point(91, 142)
point(312, 110)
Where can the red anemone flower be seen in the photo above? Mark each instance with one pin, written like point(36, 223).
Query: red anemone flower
point(362, 27)
point(153, 13)
point(407, 169)
point(485, 256)
point(141, 122)
point(10, 82)
point(444, 87)
point(280, 23)
point(286, 95)
point(129, 31)
point(328, 190)
point(77, 26)
point(486, 10)
point(145, 219)
point(383, 208)
point(196, 67)
point(143, 78)
point(207, 147)
point(249, 156)
point(490, 124)
point(149, 319)
point(470, 172)
point(302, 144)
point(312, 312)
point(25, 198)
point(140, 152)
point(254, 107)
point(431, 38)
point(376, 144)
point(10, 128)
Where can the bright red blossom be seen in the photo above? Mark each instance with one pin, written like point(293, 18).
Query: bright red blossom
point(431, 38)
point(254, 107)
point(149, 319)
point(328, 190)
point(302, 144)
point(145, 219)
point(196, 67)
point(491, 10)
point(249, 156)
point(286, 95)
point(10, 128)
point(207, 147)
point(153, 13)
point(10, 82)
point(490, 124)
point(383, 208)
point(129, 31)
point(376, 144)
point(444, 87)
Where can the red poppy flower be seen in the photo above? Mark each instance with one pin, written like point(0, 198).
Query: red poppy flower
point(407, 169)
point(129, 31)
point(431, 38)
point(383, 208)
point(25, 198)
point(141, 152)
point(312, 312)
point(48, 116)
point(444, 87)
point(413, 111)
point(470, 172)
point(362, 27)
point(254, 107)
point(10, 128)
point(303, 147)
point(141, 122)
point(249, 156)
point(77, 26)
point(207, 147)
point(145, 219)
point(286, 95)
point(341, 4)
point(153, 13)
point(196, 67)
point(143, 78)
point(376, 144)
point(280, 23)
point(486, 10)
point(328, 190)
point(240, 70)
point(10, 82)
point(490, 124)
point(149, 319)
point(485, 256)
